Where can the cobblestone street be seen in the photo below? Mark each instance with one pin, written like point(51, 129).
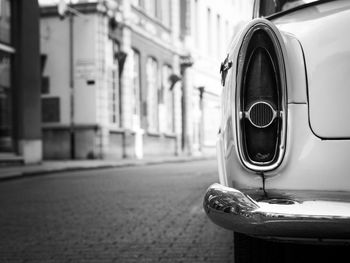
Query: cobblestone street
point(137, 214)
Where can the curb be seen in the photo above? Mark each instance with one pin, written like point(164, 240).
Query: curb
point(46, 171)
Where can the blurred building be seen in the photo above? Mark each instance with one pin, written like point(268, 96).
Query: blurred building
point(206, 29)
point(132, 78)
point(107, 80)
point(20, 123)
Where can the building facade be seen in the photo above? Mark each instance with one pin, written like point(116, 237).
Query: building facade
point(132, 78)
point(107, 73)
point(206, 30)
point(20, 112)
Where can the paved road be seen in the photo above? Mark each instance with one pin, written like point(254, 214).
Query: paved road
point(137, 214)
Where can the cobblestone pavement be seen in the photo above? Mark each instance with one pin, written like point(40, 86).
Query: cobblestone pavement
point(137, 214)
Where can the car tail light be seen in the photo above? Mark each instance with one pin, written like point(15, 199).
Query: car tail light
point(261, 99)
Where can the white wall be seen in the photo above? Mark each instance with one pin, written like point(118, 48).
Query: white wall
point(85, 69)
point(55, 41)
point(215, 33)
point(54, 38)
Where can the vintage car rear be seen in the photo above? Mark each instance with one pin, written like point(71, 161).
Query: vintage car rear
point(284, 141)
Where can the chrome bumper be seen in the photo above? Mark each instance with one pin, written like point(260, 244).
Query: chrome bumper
point(278, 218)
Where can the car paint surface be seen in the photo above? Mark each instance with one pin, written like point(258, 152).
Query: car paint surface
point(307, 196)
point(310, 163)
point(321, 30)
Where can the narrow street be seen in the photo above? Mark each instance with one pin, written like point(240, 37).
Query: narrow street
point(137, 214)
point(150, 213)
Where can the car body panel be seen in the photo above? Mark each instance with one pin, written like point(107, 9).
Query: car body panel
point(314, 172)
point(234, 169)
point(321, 32)
point(312, 163)
point(304, 149)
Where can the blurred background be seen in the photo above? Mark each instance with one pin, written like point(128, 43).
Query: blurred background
point(132, 87)
point(112, 79)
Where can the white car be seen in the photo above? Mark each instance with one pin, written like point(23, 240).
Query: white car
point(284, 142)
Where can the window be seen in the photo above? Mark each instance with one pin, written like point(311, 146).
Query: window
point(166, 12)
point(271, 7)
point(45, 80)
point(168, 98)
point(218, 35)
point(151, 7)
point(209, 32)
point(113, 96)
point(50, 108)
point(158, 9)
point(227, 33)
point(152, 94)
point(5, 21)
point(196, 28)
point(139, 3)
point(136, 88)
point(113, 83)
point(45, 85)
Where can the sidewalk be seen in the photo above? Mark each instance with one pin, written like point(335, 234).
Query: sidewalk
point(47, 167)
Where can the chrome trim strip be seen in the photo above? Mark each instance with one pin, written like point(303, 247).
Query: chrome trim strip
point(305, 218)
point(7, 48)
point(270, 29)
point(256, 9)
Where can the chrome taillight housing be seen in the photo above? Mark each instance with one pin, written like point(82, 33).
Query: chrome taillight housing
point(261, 99)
